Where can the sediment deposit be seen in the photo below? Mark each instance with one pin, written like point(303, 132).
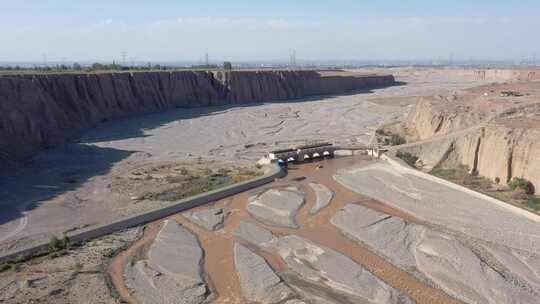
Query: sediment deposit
point(259, 282)
point(435, 202)
point(277, 206)
point(254, 234)
point(438, 256)
point(173, 270)
point(324, 197)
point(210, 219)
point(319, 264)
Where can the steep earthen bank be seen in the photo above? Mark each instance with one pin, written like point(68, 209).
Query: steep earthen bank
point(495, 136)
point(494, 74)
point(500, 151)
point(42, 111)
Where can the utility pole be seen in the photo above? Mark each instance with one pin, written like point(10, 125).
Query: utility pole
point(206, 59)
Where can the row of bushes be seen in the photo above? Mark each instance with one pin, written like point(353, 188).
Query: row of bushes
point(108, 67)
point(57, 246)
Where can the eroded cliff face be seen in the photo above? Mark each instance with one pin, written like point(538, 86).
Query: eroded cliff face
point(501, 151)
point(42, 111)
point(494, 136)
point(440, 115)
point(525, 74)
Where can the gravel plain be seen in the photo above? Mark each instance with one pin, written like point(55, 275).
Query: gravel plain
point(69, 187)
point(439, 257)
point(277, 206)
point(324, 197)
point(173, 270)
point(439, 204)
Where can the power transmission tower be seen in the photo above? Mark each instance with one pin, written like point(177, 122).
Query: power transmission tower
point(293, 59)
point(124, 55)
point(44, 57)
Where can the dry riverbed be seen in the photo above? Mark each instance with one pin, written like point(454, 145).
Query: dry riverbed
point(132, 165)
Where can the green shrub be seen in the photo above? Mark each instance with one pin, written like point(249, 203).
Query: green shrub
point(19, 259)
point(407, 157)
point(227, 65)
point(381, 132)
point(534, 203)
point(4, 267)
point(66, 242)
point(521, 183)
point(396, 140)
point(54, 244)
point(77, 267)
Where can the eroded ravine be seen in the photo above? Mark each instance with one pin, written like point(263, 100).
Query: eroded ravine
point(218, 245)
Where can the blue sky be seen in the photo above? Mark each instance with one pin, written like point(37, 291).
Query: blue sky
point(267, 30)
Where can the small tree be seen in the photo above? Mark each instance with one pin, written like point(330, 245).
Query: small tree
point(66, 242)
point(77, 66)
point(227, 65)
point(54, 244)
point(396, 140)
point(97, 66)
point(521, 183)
point(409, 158)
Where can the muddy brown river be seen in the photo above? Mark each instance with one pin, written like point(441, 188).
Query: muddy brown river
point(218, 245)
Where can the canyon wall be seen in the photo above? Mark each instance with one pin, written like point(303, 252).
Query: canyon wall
point(504, 144)
point(495, 74)
point(501, 151)
point(43, 111)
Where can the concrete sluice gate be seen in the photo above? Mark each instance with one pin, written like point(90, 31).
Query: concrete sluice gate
point(303, 153)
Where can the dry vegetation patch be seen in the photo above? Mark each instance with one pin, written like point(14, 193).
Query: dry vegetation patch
point(518, 192)
point(176, 181)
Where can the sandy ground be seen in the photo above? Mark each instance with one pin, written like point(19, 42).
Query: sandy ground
point(79, 276)
point(67, 188)
point(441, 205)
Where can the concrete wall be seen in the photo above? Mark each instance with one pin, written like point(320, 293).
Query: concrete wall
point(137, 220)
